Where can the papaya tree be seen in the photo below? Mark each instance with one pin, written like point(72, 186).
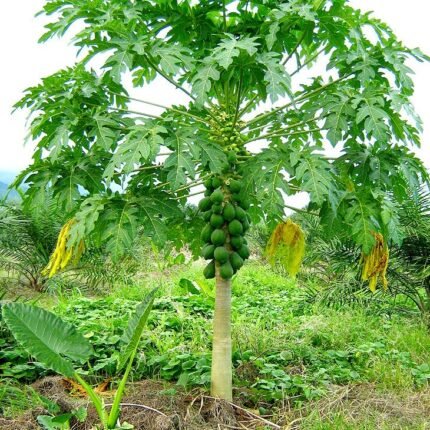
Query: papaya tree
point(273, 89)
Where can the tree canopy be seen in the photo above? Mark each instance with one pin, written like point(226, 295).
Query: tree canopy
point(242, 65)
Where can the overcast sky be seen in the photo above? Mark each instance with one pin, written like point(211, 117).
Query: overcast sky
point(25, 62)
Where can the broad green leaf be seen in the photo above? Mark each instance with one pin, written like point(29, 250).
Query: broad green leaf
point(276, 77)
point(134, 330)
point(119, 227)
point(118, 63)
point(156, 211)
point(212, 156)
point(230, 48)
point(45, 336)
point(104, 130)
point(172, 58)
point(180, 164)
point(338, 111)
point(361, 216)
point(202, 82)
point(139, 146)
point(370, 111)
point(314, 175)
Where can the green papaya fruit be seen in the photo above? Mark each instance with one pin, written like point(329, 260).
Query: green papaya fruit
point(245, 224)
point(207, 193)
point(205, 204)
point(206, 233)
point(209, 270)
point(217, 208)
point(236, 198)
point(208, 252)
point(235, 186)
point(207, 215)
point(218, 237)
point(231, 157)
point(244, 203)
point(236, 261)
point(235, 228)
point(229, 212)
point(217, 196)
point(236, 242)
point(221, 254)
point(244, 252)
point(216, 220)
point(240, 214)
point(226, 270)
point(208, 184)
point(216, 182)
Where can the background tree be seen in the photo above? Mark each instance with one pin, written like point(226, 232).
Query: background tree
point(114, 169)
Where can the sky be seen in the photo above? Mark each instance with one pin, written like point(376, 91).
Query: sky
point(25, 62)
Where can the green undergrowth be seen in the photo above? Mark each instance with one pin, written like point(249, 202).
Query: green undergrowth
point(283, 347)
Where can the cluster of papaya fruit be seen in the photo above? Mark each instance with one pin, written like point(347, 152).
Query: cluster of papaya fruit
point(226, 132)
point(224, 209)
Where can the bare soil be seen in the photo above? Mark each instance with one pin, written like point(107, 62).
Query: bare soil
point(157, 405)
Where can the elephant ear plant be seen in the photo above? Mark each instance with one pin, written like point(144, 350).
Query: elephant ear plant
point(56, 344)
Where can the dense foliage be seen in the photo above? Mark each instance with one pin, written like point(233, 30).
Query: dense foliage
point(115, 169)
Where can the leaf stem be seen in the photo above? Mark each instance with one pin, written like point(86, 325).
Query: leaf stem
point(303, 211)
point(239, 90)
point(189, 195)
point(308, 61)
point(162, 107)
point(294, 49)
point(248, 105)
point(168, 78)
point(303, 97)
point(265, 136)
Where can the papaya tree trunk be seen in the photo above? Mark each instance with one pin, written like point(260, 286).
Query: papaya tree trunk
point(221, 379)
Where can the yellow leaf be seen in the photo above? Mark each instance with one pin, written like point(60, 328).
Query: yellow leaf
point(375, 264)
point(63, 255)
point(286, 246)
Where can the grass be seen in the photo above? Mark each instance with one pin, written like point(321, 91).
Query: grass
point(285, 350)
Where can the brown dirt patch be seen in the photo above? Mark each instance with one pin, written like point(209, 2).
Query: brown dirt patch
point(172, 408)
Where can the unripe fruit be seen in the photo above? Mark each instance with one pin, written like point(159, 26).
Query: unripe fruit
point(205, 204)
point(240, 214)
point(236, 198)
point(216, 182)
point(229, 212)
point(217, 196)
point(235, 186)
point(235, 228)
point(218, 237)
point(236, 261)
point(231, 157)
point(207, 215)
point(208, 252)
point(217, 208)
point(236, 242)
point(226, 270)
point(221, 254)
point(244, 203)
point(244, 252)
point(216, 220)
point(208, 183)
point(206, 233)
point(209, 271)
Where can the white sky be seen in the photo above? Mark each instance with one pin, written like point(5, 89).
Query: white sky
point(25, 62)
